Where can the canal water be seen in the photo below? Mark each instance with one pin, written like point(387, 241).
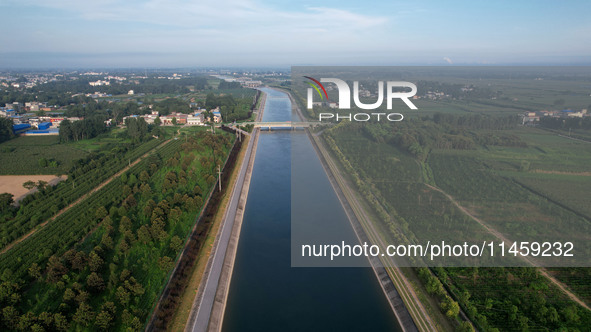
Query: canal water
point(266, 293)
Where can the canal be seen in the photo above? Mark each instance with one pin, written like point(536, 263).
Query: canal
point(266, 293)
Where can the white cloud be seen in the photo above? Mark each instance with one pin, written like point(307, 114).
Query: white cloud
point(448, 60)
point(203, 13)
point(208, 27)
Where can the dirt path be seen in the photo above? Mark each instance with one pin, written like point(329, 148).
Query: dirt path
point(501, 237)
point(97, 188)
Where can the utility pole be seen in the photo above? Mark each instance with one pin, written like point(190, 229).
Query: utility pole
point(220, 178)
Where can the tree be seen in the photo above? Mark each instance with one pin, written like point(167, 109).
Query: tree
point(41, 184)
point(95, 282)
point(143, 234)
point(36, 327)
point(104, 320)
point(79, 261)
point(174, 121)
point(60, 322)
point(83, 315)
point(552, 315)
point(131, 321)
point(146, 190)
point(9, 293)
point(198, 201)
point(29, 185)
point(83, 129)
point(450, 307)
point(46, 318)
point(165, 263)
point(6, 201)
point(157, 121)
point(137, 128)
point(134, 286)
point(35, 271)
point(157, 131)
point(95, 262)
point(125, 224)
point(6, 131)
point(82, 296)
point(10, 317)
point(66, 132)
point(122, 295)
point(69, 295)
point(434, 286)
point(465, 327)
point(69, 255)
point(55, 269)
point(43, 162)
point(101, 212)
point(144, 176)
point(26, 321)
point(176, 243)
point(570, 313)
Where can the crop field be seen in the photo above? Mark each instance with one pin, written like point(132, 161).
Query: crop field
point(504, 204)
point(85, 176)
point(114, 136)
point(523, 190)
point(566, 189)
point(22, 155)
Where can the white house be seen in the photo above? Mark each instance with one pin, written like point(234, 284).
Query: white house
point(195, 119)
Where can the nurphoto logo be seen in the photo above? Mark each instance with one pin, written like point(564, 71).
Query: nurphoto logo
point(344, 101)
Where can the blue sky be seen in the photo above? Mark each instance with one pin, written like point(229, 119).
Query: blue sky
point(188, 33)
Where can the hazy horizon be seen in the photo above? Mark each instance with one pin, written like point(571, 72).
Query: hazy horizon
point(252, 33)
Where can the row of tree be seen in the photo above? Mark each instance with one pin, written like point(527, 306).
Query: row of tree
point(137, 129)
point(568, 123)
point(442, 131)
point(83, 129)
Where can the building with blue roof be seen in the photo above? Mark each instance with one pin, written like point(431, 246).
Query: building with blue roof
point(217, 116)
point(7, 112)
point(44, 125)
point(21, 127)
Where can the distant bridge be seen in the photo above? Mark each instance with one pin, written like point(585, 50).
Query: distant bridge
point(284, 124)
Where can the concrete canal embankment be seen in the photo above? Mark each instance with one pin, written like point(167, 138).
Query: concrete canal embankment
point(209, 305)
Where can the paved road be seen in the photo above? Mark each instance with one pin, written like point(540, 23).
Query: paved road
point(212, 279)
